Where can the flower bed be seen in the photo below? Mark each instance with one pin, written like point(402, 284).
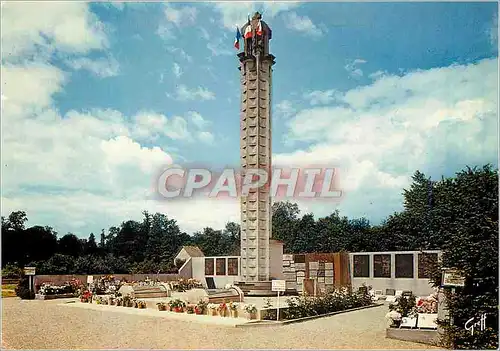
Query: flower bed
point(182, 285)
point(307, 306)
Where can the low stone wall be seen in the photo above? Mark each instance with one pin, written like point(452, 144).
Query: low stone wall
point(53, 297)
point(423, 336)
point(61, 279)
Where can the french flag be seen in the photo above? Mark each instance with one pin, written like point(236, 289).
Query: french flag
point(248, 32)
point(259, 28)
point(237, 39)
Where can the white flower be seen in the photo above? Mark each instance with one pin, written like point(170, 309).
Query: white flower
point(394, 315)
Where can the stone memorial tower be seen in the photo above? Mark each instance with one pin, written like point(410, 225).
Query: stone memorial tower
point(255, 148)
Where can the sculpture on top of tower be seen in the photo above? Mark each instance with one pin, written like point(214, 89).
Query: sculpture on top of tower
point(256, 34)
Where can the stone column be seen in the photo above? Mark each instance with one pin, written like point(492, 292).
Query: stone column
point(255, 152)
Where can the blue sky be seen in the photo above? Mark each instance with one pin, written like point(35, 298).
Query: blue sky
point(97, 97)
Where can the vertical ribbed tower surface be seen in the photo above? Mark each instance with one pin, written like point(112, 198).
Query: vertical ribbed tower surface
point(255, 148)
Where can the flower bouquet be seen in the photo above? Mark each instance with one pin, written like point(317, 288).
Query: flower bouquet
point(141, 304)
point(213, 309)
point(233, 307)
point(251, 311)
point(86, 297)
point(201, 307)
point(222, 309)
point(119, 301)
point(111, 300)
point(162, 306)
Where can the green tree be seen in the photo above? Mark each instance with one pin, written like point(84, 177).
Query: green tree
point(467, 213)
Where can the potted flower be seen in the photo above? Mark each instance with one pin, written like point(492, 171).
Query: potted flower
point(233, 307)
point(201, 307)
point(213, 309)
point(119, 301)
point(222, 309)
point(141, 304)
point(177, 305)
point(86, 297)
point(162, 306)
point(190, 308)
point(111, 300)
point(251, 311)
point(395, 318)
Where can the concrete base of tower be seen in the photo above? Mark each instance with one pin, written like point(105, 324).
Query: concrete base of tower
point(260, 288)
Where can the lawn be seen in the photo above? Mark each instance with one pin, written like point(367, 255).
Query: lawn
point(8, 290)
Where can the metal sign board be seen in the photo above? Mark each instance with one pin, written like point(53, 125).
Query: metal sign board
point(452, 277)
point(29, 270)
point(278, 285)
point(90, 279)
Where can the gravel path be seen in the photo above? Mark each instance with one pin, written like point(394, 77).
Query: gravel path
point(48, 325)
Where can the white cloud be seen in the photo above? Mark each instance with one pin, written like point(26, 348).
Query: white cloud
point(198, 120)
point(28, 27)
point(438, 120)
point(176, 17)
point(302, 24)
point(176, 69)
point(103, 68)
point(377, 74)
point(206, 137)
point(235, 13)
point(318, 97)
point(353, 68)
point(183, 16)
point(183, 93)
point(284, 109)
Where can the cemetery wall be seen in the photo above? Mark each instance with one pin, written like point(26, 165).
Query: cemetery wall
point(396, 270)
point(219, 269)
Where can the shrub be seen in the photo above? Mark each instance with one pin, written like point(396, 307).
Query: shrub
point(306, 306)
point(23, 290)
point(405, 305)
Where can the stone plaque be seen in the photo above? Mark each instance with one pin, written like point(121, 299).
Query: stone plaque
point(313, 273)
point(220, 266)
point(404, 265)
point(300, 265)
point(361, 266)
point(328, 266)
point(328, 273)
point(287, 257)
point(209, 266)
point(381, 266)
point(286, 263)
point(313, 265)
point(232, 266)
point(301, 274)
point(329, 280)
point(321, 279)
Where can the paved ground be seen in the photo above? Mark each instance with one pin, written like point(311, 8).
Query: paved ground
point(49, 325)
